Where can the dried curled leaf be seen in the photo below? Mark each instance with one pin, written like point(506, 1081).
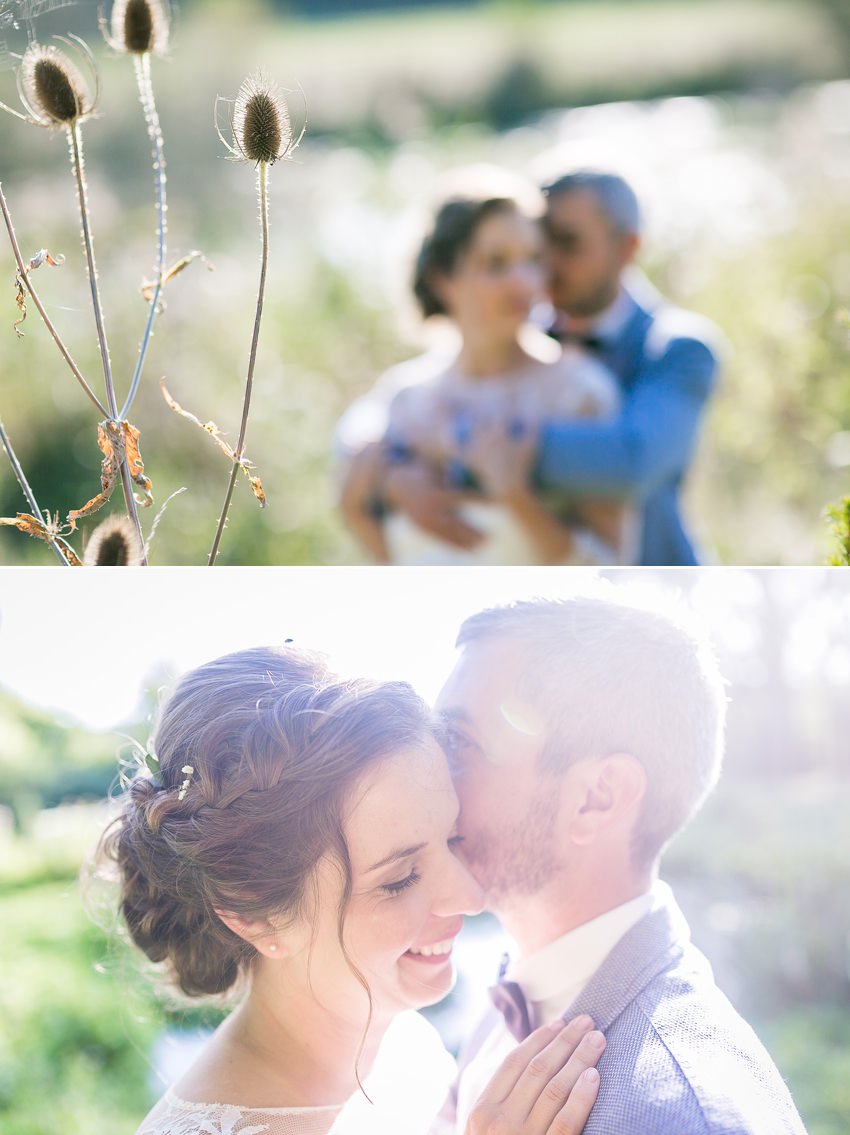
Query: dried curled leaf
point(130, 436)
point(49, 531)
point(149, 286)
point(41, 257)
point(257, 490)
point(216, 434)
point(117, 441)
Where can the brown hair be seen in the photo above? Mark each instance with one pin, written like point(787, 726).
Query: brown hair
point(470, 194)
point(276, 743)
point(453, 231)
point(616, 672)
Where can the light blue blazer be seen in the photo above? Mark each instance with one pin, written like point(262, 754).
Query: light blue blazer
point(666, 360)
point(679, 1058)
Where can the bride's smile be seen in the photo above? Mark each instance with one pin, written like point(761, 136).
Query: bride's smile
point(408, 896)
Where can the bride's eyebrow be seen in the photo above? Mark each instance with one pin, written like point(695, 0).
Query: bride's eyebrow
point(400, 853)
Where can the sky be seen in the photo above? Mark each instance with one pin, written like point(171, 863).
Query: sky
point(87, 643)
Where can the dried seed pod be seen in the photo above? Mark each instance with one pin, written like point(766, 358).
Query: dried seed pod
point(260, 122)
point(139, 27)
point(114, 543)
point(53, 88)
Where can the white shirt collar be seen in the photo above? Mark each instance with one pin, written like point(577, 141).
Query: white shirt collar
point(553, 977)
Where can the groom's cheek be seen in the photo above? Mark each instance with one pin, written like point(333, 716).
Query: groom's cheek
point(518, 737)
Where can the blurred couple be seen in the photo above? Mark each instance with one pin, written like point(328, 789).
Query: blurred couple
point(312, 845)
point(559, 427)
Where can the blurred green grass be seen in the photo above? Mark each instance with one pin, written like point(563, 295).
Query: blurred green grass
point(393, 100)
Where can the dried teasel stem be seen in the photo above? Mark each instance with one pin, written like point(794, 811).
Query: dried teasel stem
point(262, 189)
point(146, 97)
point(24, 274)
point(27, 491)
point(75, 142)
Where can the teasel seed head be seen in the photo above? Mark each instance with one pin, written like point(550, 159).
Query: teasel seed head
point(114, 543)
point(260, 123)
point(139, 27)
point(52, 87)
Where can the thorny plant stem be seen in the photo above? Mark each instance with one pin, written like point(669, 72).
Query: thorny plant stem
point(22, 269)
point(262, 185)
point(77, 162)
point(28, 493)
point(143, 79)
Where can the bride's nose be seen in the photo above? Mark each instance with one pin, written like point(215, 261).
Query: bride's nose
point(460, 894)
point(527, 278)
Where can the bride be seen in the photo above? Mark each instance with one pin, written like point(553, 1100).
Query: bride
point(470, 415)
point(295, 850)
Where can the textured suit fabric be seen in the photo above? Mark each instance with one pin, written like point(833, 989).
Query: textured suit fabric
point(666, 360)
point(679, 1059)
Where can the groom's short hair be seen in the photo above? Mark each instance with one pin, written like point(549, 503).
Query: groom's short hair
point(619, 674)
point(613, 194)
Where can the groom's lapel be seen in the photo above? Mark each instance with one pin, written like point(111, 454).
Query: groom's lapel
point(625, 354)
point(652, 946)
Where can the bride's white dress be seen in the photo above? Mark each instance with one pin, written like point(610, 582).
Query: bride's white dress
point(407, 1085)
point(573, 386)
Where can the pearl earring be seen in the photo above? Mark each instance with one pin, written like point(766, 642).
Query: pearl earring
point(272, 948)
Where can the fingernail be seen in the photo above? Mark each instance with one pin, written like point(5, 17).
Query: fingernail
point(590, 1076)
point(582, 1022)
point(596, 1040)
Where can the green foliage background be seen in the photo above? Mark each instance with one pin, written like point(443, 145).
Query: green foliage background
point(394, 99)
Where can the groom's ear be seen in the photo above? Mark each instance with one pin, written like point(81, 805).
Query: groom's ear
point(629, 248)
point(609, 794)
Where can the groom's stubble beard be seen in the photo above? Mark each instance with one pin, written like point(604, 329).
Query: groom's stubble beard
point(589, 304)
point(518, 858)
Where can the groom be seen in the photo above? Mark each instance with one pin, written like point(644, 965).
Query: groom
point(584, 735)
point(665, 358)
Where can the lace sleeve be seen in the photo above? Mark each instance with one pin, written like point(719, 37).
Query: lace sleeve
point(406, 1087)
point(174, 1116)
point(586, 388)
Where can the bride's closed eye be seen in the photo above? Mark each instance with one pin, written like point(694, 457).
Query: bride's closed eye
point(412, 878)
point(402, 884)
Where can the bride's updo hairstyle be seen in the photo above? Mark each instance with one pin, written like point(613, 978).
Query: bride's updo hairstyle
point(471, 195)
point(259, 752)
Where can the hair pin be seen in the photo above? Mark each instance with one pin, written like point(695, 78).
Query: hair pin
point(184, 787)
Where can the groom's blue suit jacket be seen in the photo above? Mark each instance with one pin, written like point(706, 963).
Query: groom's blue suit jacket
point(666, 361)
point(679, 1059)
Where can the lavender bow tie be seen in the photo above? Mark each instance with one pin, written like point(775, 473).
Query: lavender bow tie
point(510, 1001)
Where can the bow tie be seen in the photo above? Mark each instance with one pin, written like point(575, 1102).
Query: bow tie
point(588, 342)
point(510, 1001)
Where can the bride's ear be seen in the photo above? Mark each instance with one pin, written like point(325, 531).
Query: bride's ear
point(258, 932)
point(440, 284)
